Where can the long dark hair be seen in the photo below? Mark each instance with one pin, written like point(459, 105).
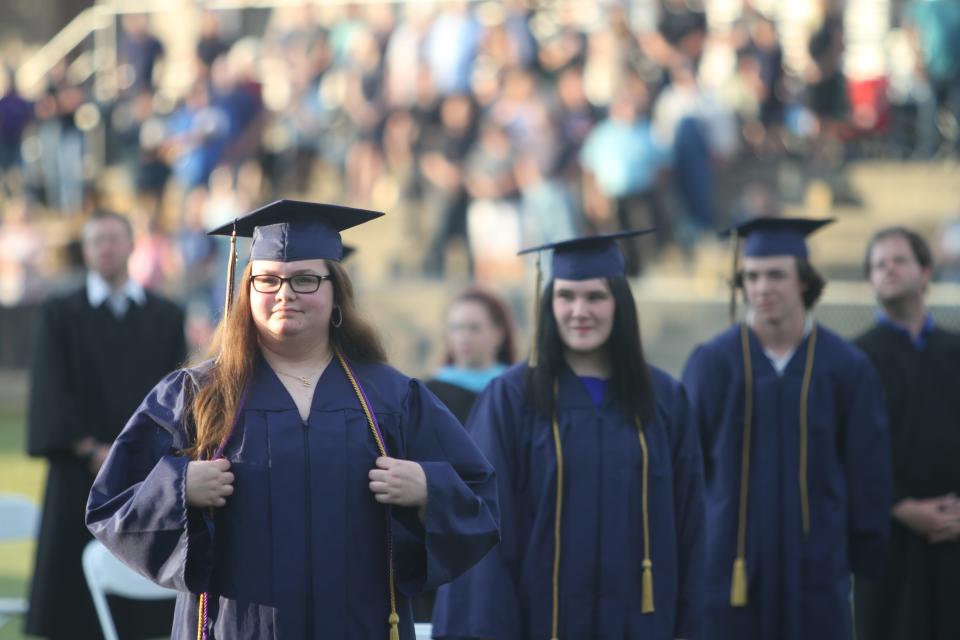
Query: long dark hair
point(234, 349)
point(630, 379)
point(499, 316)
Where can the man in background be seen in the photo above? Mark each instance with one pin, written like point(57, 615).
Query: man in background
point(919, 363)
point(99, 350)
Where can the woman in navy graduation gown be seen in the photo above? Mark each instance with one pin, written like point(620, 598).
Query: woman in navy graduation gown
point(325, 462)
point(599, 473)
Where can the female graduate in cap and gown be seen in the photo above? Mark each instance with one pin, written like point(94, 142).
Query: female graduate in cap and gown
point(599, 473)
point(793, 428)
point(294, 485)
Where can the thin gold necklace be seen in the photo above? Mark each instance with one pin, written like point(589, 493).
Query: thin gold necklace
point(304, 380)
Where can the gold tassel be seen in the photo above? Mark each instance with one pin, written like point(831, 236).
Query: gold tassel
point(394, 621)
point(738, 586)
point(231, 270)
point(536, 314)
point(735, 250)
point(647, 597)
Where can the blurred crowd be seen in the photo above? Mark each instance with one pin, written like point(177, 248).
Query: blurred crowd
point(489, 125)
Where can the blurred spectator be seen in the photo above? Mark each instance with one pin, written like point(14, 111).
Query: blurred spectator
point(451, 46)
point(239, 96)
point(760, 65)
point(211, 44)
point(680, 36)
point(547, 212)
point(826, 84)
point(441, 165)
point(61, 142)
point(621, 162)
point(20, 245)
point(404, 55)
point(701, 132)
point(140, 55)
point(935, 27)
point(197, 253)
point(948, 250)
point(365, 109)
point(15, 115)
point(153, 263)
point(197, 136)
point(493, 215)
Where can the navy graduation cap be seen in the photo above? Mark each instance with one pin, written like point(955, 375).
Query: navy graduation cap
point(588, 257)
point(776, 236)
point(290, 230)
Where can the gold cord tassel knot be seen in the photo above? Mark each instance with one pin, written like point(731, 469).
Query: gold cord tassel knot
point(738, 585)
point(394, 621)
point(647, 596)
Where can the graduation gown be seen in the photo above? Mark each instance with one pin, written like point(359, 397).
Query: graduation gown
point(918, 594)
point(798, 586)
point(90, 371)
point(300, 549)
point(508, 595)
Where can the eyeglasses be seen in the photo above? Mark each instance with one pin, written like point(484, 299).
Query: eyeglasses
point(300, 283)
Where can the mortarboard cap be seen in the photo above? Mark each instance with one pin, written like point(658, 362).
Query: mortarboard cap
point(588, 257)
point(776, 236)
point(290, 230)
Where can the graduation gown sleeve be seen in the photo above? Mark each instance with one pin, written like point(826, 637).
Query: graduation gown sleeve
point(462, 516)
point(689, 515)
point(137, 506)
point(866, 447)
point(485, 602)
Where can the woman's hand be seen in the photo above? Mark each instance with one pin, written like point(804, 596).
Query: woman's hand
point(399, 482)
point(209, 483)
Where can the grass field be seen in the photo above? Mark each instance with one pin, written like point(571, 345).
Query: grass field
point(18, 474)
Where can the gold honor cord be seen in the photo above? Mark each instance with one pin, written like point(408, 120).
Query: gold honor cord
point(554, 635)
point(804, 396)
point(394, 618)
point(738, 583)
point(646, 597)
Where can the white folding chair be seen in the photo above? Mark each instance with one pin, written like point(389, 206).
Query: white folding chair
point(423, 630)
point(106, 575)
point(19, 520)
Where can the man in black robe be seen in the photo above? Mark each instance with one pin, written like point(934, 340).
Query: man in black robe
point(98, 351)
point(918, 595)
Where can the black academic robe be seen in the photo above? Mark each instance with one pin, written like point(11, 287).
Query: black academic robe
point(90, 371)
point(918, 596)
point(300, 549)
point(798, 585)
point(456, 398)
point(509, 594)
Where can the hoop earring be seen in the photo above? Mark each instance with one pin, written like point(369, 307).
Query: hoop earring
point(339, 321)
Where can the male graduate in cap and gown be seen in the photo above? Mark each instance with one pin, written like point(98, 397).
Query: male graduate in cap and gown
point(294, 485)
point(599, 475)
point(793, 428)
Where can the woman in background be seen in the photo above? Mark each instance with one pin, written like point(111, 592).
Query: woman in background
point(480, 345)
